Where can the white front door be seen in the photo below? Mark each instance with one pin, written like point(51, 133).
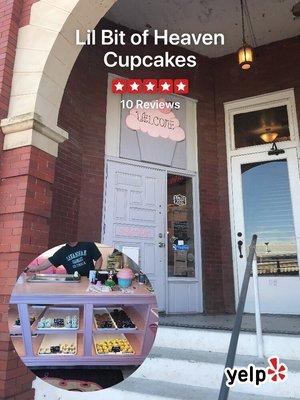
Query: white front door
point(134, 218)
point(266, 202)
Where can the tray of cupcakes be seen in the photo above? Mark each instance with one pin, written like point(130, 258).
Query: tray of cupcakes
point(121, 319)
point(59, 318)
point(34, 313)
point(52, 345)
point(112, 344)
point(103, 320)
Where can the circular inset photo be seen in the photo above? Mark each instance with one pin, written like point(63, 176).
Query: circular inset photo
point(83, 316)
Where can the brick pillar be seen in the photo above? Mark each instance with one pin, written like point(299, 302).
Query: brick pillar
point(25, 203)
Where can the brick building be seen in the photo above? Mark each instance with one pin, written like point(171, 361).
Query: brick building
point(64, 145)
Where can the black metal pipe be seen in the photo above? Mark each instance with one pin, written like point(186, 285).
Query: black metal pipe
point(224, 390)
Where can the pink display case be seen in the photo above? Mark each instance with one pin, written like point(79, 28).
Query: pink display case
point(139, 306)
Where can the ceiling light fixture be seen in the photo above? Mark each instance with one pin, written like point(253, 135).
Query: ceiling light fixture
point(246, 52)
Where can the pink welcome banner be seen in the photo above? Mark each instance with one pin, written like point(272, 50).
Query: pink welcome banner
point(156, 122)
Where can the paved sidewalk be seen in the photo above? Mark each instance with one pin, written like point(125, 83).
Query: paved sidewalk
point(281, 324)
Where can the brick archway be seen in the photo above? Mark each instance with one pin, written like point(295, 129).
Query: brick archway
point(45, 54)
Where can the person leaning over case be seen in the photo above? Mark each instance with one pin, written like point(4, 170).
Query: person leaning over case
point(75, 256)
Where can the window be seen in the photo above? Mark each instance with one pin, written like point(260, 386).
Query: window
point(181, 254)
point(261, 127)
point(268, 213)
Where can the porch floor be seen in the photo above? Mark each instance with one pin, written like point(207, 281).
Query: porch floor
point(280, 324)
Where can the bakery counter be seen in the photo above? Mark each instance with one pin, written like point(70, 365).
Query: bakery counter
point(74, 293)
point(64, 324)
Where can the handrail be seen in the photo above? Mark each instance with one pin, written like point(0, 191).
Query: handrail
point(224, 390)
point(259, 336)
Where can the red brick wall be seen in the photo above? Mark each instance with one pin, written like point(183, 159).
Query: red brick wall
point(79, 176)
point(25, 203)
point(67, 185)
point(93, 150)
point(21, 234)
point(276, 68)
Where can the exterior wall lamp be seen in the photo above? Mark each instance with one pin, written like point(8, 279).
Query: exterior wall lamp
point(270, 137)
point(246, 52)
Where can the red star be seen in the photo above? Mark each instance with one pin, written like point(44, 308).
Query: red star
point(118, 86)
point(134, 86)
point(150, 86)
point(165, 86)
point(181, 86)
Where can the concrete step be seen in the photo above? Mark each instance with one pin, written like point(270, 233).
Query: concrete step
point(167, 390)
point(205, 369)
point(144, 389)
point(284, 346)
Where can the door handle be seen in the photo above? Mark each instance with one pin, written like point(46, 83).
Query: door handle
point(240, 244)
point(161, 244)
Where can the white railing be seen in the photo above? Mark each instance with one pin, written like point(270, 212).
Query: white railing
point(251, 267)
point(259, 336)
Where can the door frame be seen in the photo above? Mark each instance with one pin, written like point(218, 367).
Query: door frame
point(268, 100)
point(196, 220)
point(293, 174)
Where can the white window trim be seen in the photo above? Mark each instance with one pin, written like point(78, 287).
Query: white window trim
point(268, 100)
point(255, 103)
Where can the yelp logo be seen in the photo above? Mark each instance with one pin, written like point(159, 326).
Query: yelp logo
point(277, 371)
point(274, 372)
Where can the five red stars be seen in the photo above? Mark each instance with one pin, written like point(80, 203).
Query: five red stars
point(150, 86)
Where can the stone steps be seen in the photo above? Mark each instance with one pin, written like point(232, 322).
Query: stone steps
point(205, 369)
point(188, 364)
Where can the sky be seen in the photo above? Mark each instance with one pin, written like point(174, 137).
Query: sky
point(268, 208)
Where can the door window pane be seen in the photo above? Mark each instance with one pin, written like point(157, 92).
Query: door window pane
point(181, 254)
point(268, 213)
point(261, 127)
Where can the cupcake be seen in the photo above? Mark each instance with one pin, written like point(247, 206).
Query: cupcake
point(125, 277)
